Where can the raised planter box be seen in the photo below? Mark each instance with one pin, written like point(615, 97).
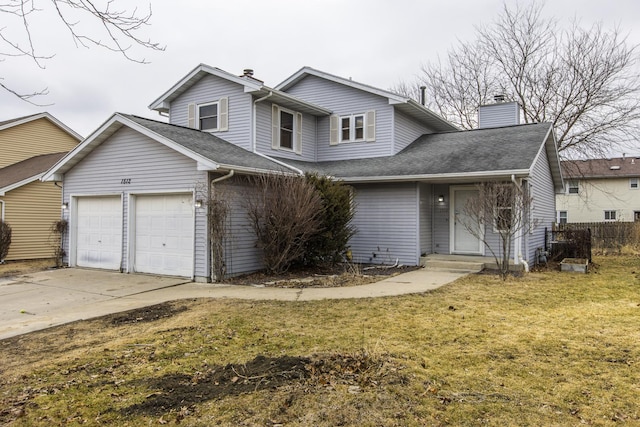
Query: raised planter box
point(578, 265)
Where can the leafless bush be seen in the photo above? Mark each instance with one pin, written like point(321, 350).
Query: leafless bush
point(284, 212)
point(5, 240)
point(217, 212)
point(56, 238)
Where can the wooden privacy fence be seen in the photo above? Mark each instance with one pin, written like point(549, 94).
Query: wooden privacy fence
point(604, 235)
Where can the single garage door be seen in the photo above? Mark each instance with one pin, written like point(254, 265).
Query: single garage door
point(99, 233)
point(164, 234)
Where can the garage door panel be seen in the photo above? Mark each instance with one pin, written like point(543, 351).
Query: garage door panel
point(164, 234)
point(99, 232)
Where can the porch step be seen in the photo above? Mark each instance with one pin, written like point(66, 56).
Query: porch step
point(450, 263)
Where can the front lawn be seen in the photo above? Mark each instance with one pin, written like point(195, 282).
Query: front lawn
point(549, 348)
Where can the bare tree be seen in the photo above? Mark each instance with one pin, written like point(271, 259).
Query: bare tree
point(583, 80)
point(503, 209)
point(285, 212)
point(115, 28)
point(5, 240)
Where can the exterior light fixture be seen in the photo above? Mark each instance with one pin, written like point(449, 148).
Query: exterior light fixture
point(441, 198)
point(198, 204)
point(65, 206)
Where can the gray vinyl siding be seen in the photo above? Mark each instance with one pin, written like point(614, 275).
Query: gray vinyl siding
point(386, 223)
point(345, 100)
point(264, 135)
point(497, 115)
point(406, 131)
point(441, 221)
point(241, 253)
point(152, 168)
point(543, 204)
point(426, 199)
point(211, 89)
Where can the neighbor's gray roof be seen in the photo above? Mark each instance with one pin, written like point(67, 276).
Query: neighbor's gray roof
point(464, 152)
point(29, 168)
point(209, 146)
point(619, 167)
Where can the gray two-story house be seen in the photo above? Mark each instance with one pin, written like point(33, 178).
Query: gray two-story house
point(134, 189)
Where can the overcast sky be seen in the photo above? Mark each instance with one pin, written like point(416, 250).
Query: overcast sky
point(377, 42)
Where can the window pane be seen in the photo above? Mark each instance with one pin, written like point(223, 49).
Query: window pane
point(359, 127)
point(209, 110)
point(286, 121)
point(346, 128)
point(209, 123)
point(286, 139)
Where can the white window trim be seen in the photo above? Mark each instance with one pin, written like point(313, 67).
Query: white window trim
point(297, 130)
point(352, 128)
point(206, 104)
point(569, 186)
point(615, 214)
point(368, 128)
point(559, 217)
point(634, 181)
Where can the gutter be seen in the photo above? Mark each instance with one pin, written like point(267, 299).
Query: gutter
point(517, 253)
point(444, 177)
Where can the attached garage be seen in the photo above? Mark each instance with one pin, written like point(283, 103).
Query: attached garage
point(99, 232)
point(163, 234)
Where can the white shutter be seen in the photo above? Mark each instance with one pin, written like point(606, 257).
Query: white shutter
point(191, 116)
point(297, 143)
point(334, 130)
point(275, 127)
point(370, 126)
point(223, 114)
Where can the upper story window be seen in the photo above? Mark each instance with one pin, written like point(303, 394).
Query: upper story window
point(352, 128)
point(562, 217)
point(609, 215)
point(573, 187)
point(286, 130)
point(209, 116)
point(633, 183)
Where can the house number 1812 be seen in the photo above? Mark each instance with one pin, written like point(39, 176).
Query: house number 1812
point(125, 181)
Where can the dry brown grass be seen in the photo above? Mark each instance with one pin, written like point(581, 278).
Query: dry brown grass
point(11, 268)
point(549, 348)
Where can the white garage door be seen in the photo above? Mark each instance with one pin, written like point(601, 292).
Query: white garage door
point(99, 234)
point(164, 234)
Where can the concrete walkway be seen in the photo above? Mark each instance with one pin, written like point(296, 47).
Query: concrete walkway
point(48, 298)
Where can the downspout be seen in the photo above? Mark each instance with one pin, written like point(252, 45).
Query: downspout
point(517, 253)
point(254, 126)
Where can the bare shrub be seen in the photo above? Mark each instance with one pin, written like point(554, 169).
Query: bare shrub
point(284, 212)
point(5, 240)
point(217, 213)
point(56, 237)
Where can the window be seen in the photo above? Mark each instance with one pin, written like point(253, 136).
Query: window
point(573, 187)
point(287, 130)
point(636, 216)
point(352, 128)
point(562, 217)
point(209, 116)
point(609, 215)
point(633, 183)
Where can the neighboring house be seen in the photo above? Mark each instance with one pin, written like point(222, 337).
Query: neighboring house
point(600, 190)
point(135, 187)
point(30, 146)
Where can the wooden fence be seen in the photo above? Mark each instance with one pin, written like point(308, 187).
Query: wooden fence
point(605, 235)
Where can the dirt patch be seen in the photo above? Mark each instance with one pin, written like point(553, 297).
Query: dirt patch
point(180, 393)
point(145, 314)
point(322, 277)
point(15, 268)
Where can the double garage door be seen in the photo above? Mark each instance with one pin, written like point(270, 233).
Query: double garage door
point(161, 234)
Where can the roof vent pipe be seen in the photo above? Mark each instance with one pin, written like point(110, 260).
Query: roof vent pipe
point(247, 72)
point(423, 95)
point(498, 98)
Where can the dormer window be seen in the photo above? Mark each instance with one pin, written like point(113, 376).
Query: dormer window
point(633, 183)
point(352, 128)
point(209, 116)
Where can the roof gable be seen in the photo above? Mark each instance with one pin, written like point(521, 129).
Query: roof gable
point(404, 104)
point(26, 119)
point(26, 171)
point(209, 151)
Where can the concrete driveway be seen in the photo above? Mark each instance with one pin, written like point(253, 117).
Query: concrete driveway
point(40, 300)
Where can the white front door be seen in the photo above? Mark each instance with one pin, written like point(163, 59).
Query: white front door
point(464, 242)
point(164, 234)
point(99, 232)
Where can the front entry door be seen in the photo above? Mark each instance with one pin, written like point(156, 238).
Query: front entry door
point(464, 242)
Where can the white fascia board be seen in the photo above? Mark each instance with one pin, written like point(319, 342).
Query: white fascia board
point(161, 103)
point(20, 184)
point(253, 171)
point(440, 177)
point(47, 116)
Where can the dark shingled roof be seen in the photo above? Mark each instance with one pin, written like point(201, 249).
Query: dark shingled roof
point(481, 150)
point(620, 167)
point(28, 168)
point(209, 146)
